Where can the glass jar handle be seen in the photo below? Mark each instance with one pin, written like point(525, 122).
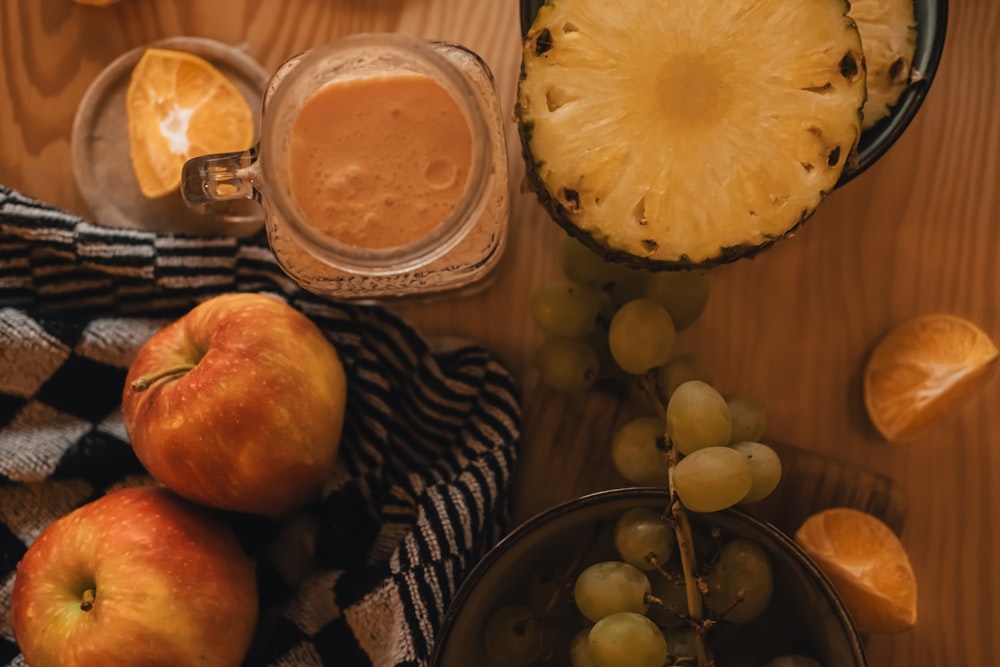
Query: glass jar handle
point(220, 177)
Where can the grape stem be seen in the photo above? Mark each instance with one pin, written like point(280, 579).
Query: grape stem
point(689, 566)
point(682, 531)
point(571, 574)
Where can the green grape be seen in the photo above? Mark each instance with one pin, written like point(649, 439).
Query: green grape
point(748, 415)
point(627, 639)
point(565, 308)
point(641, 336)
point(636, 453)
point(567, 365)
point(791, 660)
point(682, 368)
point(668, 587)
point(611, 586)
point(579, 650)
point(697, 417)
point(513, 636)
point(765, 469)
point(643, 538)
point(582, 265)
point(741, 582)
point(712, 479)
point(683, 293)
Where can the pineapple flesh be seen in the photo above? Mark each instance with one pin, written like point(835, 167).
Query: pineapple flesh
point(889, 39)
point(688, 133)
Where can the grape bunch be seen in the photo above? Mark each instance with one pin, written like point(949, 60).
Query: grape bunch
point(646, 605)
point(606, 321)
point(720, 461)
point(624, 603)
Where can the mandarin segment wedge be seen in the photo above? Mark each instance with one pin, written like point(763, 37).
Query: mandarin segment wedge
point(867, 565)
point(180, 106)
point(922, 369)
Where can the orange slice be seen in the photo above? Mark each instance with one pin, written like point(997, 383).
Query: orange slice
point(867, 565)
point(922, 369)
point(179, 106)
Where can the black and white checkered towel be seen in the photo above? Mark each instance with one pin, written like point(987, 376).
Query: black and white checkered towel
point(427, 456)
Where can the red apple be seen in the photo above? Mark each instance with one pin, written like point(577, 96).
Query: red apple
point(137, 577)
point(238, 404)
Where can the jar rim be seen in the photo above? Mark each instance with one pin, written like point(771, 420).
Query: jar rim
point(426, 57)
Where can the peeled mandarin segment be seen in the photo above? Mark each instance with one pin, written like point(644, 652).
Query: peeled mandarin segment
point(867, 565)
point(179, 106)
point(923, 368)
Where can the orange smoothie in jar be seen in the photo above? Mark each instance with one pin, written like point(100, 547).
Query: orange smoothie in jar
point(379, 162)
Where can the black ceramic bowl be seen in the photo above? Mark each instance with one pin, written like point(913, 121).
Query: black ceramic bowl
point(932, 21)
point(805, 614)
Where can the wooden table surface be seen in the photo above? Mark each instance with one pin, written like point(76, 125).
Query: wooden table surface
point(917, 233)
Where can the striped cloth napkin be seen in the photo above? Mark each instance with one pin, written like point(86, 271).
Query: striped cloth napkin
point(429, 444)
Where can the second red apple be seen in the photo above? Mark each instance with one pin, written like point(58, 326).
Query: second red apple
point(239, 404)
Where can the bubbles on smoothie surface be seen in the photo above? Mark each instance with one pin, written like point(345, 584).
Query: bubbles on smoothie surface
point(441, 174)
point(342, 183)
point(380, 161)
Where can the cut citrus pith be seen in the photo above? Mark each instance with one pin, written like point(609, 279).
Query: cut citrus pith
point(179, 106)
point(693, 133)
point(889, 41)
point(923, 368)
point(867, 565)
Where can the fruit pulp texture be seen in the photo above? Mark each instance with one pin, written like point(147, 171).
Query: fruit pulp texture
point(379, 162)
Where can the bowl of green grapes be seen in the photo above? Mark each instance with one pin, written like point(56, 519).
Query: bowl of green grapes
point(599, 582)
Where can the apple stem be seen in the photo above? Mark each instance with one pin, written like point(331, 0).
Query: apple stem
point(144, 382)
point(89, 596)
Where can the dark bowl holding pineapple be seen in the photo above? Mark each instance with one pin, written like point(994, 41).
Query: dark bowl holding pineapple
point(692, 134)
point(535, 567)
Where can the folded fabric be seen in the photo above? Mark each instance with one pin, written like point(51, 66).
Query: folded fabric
point(428, 451)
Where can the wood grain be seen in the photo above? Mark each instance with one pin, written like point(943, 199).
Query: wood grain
point(917, 233)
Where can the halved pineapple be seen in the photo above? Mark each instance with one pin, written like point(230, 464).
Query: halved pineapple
point(889, 39)
point(686, 133)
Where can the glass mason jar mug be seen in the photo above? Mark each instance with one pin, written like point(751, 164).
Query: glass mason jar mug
point(381, 168)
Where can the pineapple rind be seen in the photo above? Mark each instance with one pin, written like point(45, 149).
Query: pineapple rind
point(716, 187)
